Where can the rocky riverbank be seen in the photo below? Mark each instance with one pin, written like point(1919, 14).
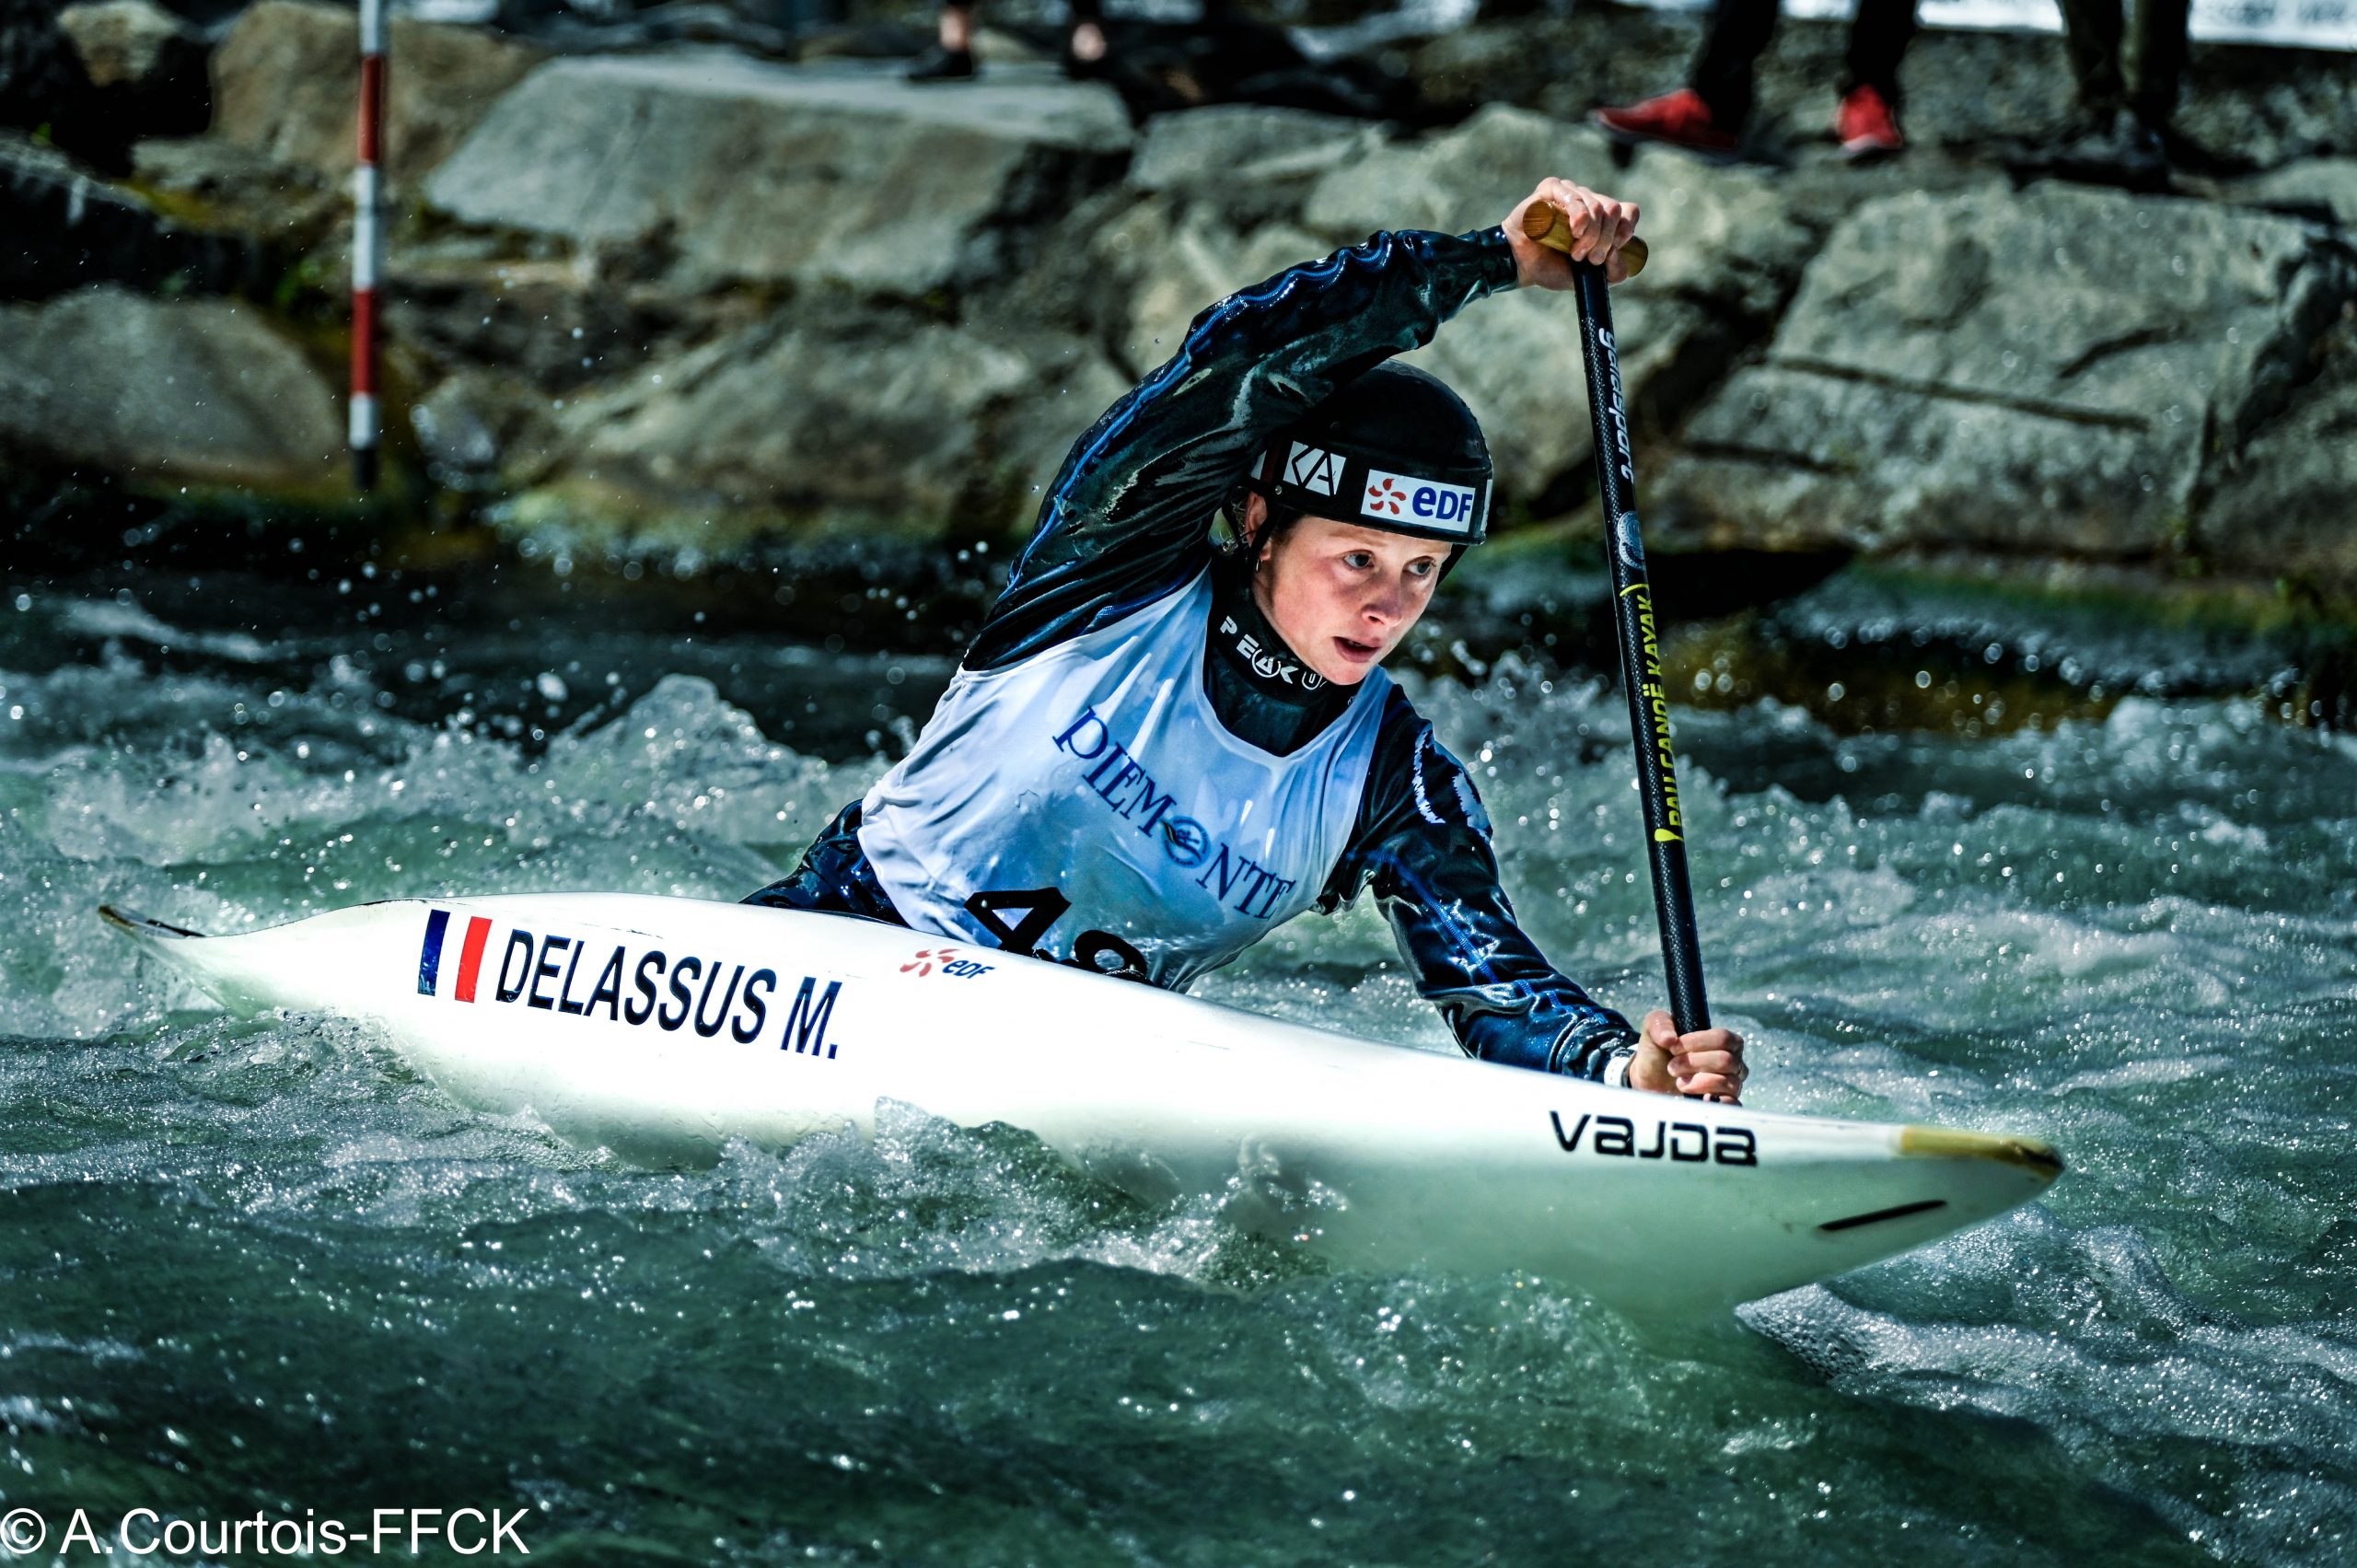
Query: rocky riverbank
point(761, 311)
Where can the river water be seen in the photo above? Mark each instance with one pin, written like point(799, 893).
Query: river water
point(249, 1265)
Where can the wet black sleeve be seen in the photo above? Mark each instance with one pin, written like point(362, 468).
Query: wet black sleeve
point(1129, 517)
point(1422, 843)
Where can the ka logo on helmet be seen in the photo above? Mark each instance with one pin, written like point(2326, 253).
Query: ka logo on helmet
point(1314, 470)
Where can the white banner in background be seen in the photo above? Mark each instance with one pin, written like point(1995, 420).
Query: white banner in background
point(2299, 24)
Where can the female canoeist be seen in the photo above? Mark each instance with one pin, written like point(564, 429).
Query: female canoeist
point(1155, 753)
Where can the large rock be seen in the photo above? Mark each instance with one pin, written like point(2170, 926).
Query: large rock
point(1719, 234)
point(2271, 106)
point(2324, 187)
point(840, 174)
point(224, 188)
point(181, 391)
point(483, 429)
point(2056, 370)
point(124, 42)
point(549, 322)
point(286, 83)
point(1171, 263)
point(147, 68)
point(85, 230)
point(1726, 256)
point(41, 79)
point(850, 421)
point(2285, 506)
point(1246, 162)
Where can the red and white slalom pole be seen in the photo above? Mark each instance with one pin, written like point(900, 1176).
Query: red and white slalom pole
point(367, 243)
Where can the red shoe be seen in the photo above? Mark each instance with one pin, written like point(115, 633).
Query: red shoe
point(1865, 125)
point(1681, 118)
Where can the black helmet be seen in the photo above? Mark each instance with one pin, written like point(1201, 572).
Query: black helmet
point(1396, 450)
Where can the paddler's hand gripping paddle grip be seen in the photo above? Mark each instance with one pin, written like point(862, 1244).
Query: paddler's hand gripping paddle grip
point(1633, 615)
point(1553, 230)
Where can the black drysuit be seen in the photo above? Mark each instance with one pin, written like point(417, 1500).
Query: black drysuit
point(1128, 522)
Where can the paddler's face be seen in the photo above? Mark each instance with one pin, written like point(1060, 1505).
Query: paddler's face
point(1343, 596)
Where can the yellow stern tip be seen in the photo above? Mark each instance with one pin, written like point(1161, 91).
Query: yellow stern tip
point(2033, 1154)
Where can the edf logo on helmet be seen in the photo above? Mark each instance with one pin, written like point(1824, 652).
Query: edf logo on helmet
point(1437, 505)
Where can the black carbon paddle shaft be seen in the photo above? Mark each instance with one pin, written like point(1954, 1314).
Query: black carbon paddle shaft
point(1633, 615)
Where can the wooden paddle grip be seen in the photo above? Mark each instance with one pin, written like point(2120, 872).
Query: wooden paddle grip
point(1550, 229)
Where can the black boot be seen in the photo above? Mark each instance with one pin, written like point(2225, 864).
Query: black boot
point(2126, 153)
point(2111, 148)
point(940, 65)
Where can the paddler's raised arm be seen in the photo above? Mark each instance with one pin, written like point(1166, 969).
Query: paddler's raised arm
point(1423, 845)
point(1128, 517)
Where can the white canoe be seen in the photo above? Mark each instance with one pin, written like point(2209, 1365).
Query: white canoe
point(661, 1027)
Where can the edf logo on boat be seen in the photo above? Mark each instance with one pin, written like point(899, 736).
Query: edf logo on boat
point(632, 985)
point(1448, 506)
point(946, 961)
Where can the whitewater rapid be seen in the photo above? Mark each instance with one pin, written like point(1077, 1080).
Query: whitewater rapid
point(263, 1265)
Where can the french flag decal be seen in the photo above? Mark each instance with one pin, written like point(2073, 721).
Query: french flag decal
point(429, 957)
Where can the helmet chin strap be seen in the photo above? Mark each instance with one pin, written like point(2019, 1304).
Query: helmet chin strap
point(1244, 540)
point(1273, 514)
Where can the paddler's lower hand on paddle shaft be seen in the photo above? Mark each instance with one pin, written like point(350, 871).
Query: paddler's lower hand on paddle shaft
point(1600, 226)
point(1707, 1063)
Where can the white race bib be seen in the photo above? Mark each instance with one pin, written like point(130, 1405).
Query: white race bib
point(1088, 805)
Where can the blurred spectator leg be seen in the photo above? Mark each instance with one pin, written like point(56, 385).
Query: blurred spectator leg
point(1731, 50)
point(2091, 30)
point(2155, 67)
point(1867, 123)
point(2112, 145)
point(1707, 115)
point(2158, 61)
